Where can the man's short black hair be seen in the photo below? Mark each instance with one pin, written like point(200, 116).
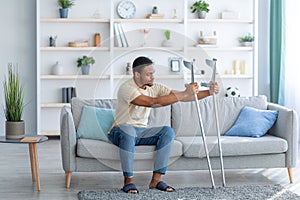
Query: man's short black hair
point(141, 62)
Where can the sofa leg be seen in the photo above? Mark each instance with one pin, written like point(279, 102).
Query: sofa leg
point(68, 179)
point(290, 172)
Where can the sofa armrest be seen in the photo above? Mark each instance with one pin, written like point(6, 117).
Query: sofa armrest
point(68, 140)
point(286, 127)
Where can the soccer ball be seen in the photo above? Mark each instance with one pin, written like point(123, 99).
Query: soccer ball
point(232, 92)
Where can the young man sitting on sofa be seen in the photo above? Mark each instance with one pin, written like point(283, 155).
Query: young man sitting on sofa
point(135, 99)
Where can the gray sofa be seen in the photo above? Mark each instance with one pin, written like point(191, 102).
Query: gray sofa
point(277, 149)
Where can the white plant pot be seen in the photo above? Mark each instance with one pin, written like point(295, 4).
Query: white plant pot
point(247, 44)
point(167, 43)
point(202, 14)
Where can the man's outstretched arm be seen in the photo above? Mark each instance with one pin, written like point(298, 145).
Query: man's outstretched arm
point(175, 96)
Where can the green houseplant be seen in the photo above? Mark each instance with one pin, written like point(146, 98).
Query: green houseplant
point(64, 7)
point(246, 40)
point(167, 42)
point(200, 7)
point(168, 34)
point(85, 62)
point(14, 104)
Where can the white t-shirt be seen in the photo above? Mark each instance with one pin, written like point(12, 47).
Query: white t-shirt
point(128, 113)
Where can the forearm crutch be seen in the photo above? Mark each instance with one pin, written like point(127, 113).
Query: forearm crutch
point(190, 66)
point(212, 63)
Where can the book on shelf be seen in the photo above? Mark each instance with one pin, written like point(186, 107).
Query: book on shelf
point(123, 36)
point(68, 93)
point(155, 16)
point(120, 36)
point(117, 35)
point(31, 139)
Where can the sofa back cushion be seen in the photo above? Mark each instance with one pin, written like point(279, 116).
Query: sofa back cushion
point(185, 118)
point(158, 116)
point(78, 103)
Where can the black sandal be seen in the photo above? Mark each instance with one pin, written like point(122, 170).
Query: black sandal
point(129, 187)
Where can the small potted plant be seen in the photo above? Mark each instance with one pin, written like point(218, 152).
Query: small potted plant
point(64, 7)
point(200, 7)
point(14, 104)
point(247, 40)
point(167, 42)
point(85, 62)
point(155, 10)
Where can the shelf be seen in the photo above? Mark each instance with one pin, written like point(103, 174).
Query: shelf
point(74, 48)
point(74, 20)
point(143, 20)
point(167, 76)
point(50, 133)
point(233, 76)
point(138, 48)
point(149, 20)
point(221, 48)
point(63, 77)
point(148, 47)
point(242, 21)
point(120, 76)
point(181, 76)
point(111, 77)
point(54, 105)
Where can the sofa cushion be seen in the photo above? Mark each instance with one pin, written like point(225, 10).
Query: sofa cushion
point(88, 148)
point(95, 123)
point(232, 146)
point(160, 116)
point(253, 122)
point(185, 117)
point(78, 103)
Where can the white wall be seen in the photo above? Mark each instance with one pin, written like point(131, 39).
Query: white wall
point(263, 48)
point(18, 35)
point(17, 44)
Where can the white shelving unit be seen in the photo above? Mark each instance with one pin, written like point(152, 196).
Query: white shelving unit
point(108, 73)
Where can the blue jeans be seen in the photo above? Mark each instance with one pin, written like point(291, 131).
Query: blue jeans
point(126, 137)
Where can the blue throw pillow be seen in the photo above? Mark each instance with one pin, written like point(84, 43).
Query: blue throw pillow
point(95, 123)
point(253, 122)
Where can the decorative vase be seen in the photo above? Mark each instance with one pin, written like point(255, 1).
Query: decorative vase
point(57, 69)
point(202, 14)
point(15, 130)
point(63, 12)
point(85, 70)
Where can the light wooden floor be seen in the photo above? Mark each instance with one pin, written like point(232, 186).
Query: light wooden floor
point(15, 176)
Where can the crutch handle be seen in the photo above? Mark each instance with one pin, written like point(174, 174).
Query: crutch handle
point(205, 84)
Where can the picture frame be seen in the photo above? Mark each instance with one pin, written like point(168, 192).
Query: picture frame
point(175, 64)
